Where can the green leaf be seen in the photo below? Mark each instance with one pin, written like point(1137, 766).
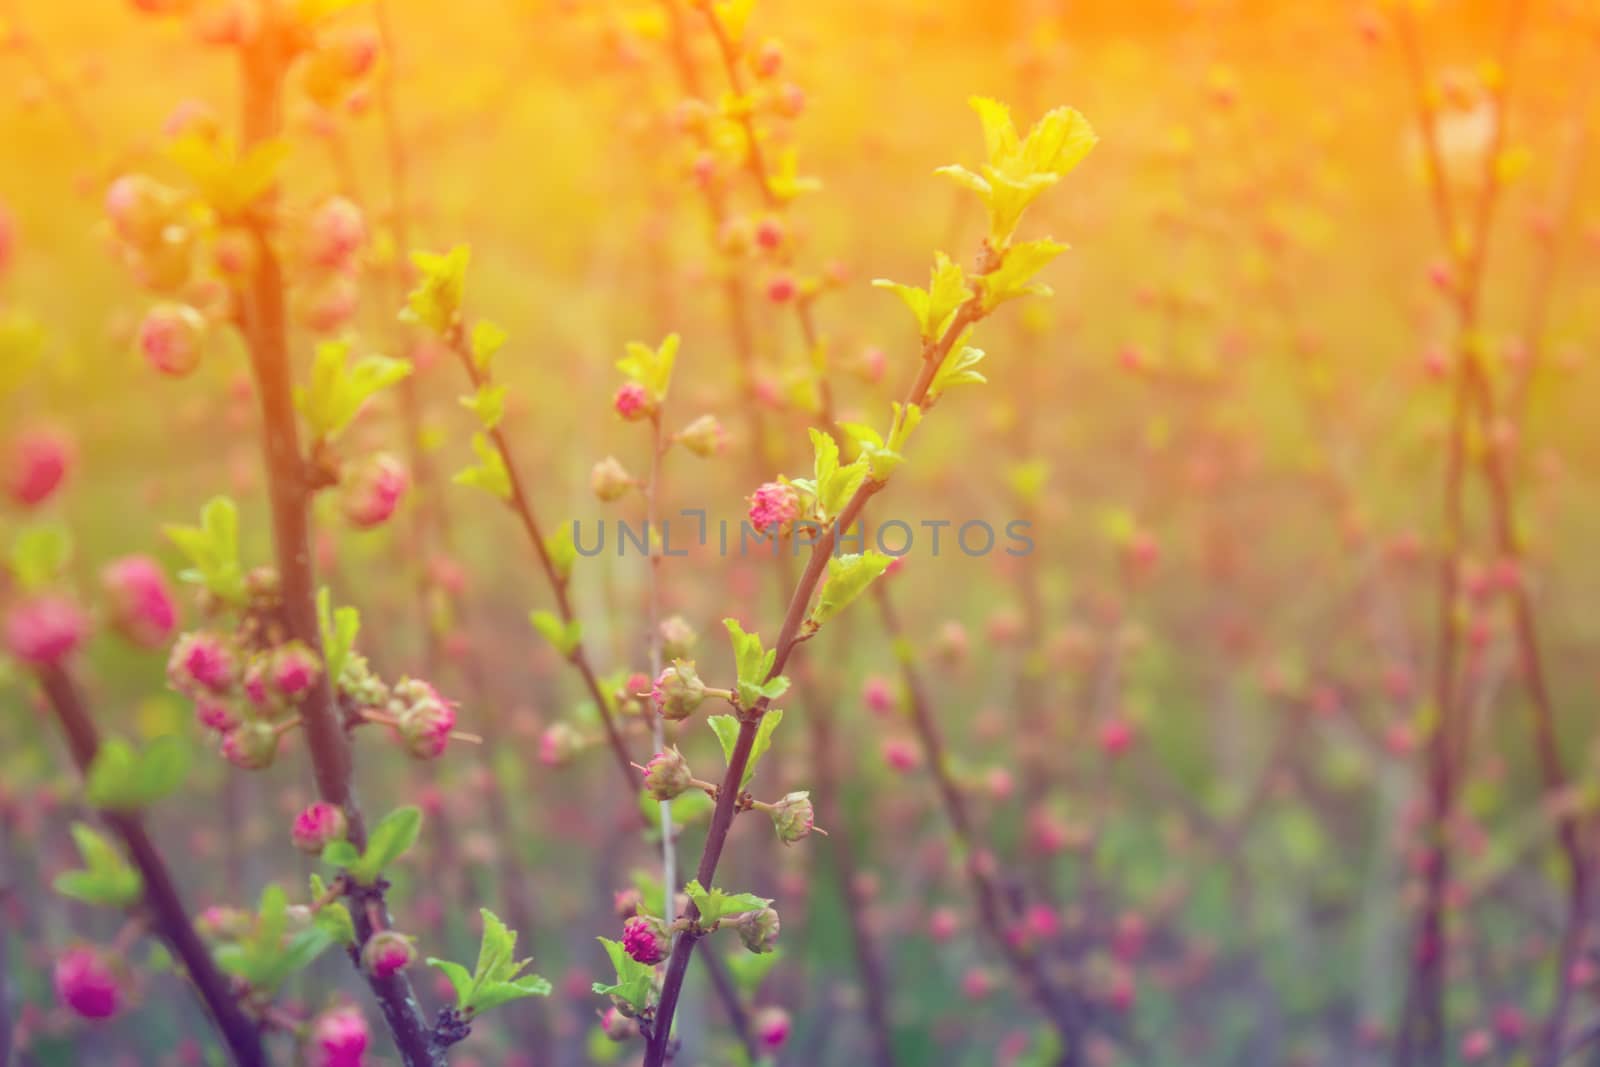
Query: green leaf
point(39, 553)
point(212, 549)
point(635, 981)
point(835, 484)
point(338, 392)
point(124, 779)
point(752, 663)
point(957, 369)
point(340, 854)
point(488, 339)
point(339, 630)
point(227, 182)
point(460, 980)
point(651, 367)
point(848, 577)
point(563, 550)
point(563, 636)
point(715, 905)
point(494, 994)
point(395, 833)
point(490, 473)
point(436, 301)
point(1014, 276)
point(106, 880)
point(333, 917)
point(726, 727)
point(935, 306)
point(488, 404)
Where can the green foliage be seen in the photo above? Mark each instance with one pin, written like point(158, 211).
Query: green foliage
point(39, 553)
point(333, 916)
point(394, 835)
point(636, 982)
point(497, 978)
point(715, 905)
point(272, 950)
point(436, 301)
point(106, 880)
point(339, 630)
point(212, 549)
point(562, 549)
point(338, 390)
point(488, 404)
point(958, 368)
point(488, 339)
point(122, 778)
point(490, 473)
point(935, 306)
point(564, 637)
point(848, 577)
point(754, 664)
point(225, 180)
point(651, 367)
point(1014, 276)
point(1019, 169)
point(726, 727)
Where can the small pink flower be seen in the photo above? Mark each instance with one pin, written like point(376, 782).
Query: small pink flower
point(632, 401)
point(878, 694)
point(976, 984)
point(172, 338)
point(424, 719)
point(339, 1038)
point(782, 289)
point(373, 490)
point(943, 924)
point(1476, 1045)
point(318, 826)
point(791, 100)
point(646, 939)
point(294, 669)
point(202, 662)
point(44, 630)
point(1116, 737)
point(769, 234)
point(387, 953)
point(141, 603)
point(250, 746)
point(771, 1027)
point(773, 504)
point(215, 714)
point(86, 984)
point(899, 754)
point(36, 466)
point(557, 744)
point(336, 233)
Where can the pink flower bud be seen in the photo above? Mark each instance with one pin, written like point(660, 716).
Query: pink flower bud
point(140, 208)
point(610, 480)
point(339, 1038)
point(336, 233)
point(617, 1026)
point(140, 600)
point(771, 1027)
point(172, 338)
point(318, 826)
point(770, 234)
point(43, 630)
point(387, 953)
point(704, 436)
point(251, 746)
point(759, 930)
point(667, 774)
point(791, 101)
point(943, 924)
point(878, 695)
point(215, 714)
point(773, 504)
point(202, 662)
point(86, 984)
point(1116, 737)
point(782, 289)
point(36, 465)
point(632, 401)
point(332, 303)
point(645, 938)
point(767, 60)
point(558, 744)
point(678, 691)
point(899, 754)
point(1476, 1045)
point(793, 817)
point(372, 490)
point(424, 719)
point(293, 669)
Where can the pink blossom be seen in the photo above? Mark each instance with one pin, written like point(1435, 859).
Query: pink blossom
point(43, 630)
point(339, 1038)
point(899, 754)
point(318, 826)
point(773, 504)
point(202, 662)
point(37, 464)
point(141, 603)
point(878, 694)
point(294, 669)
point(782, 289)
point(86, 984)
point(373, 490)
point(387, 953)
point(336, 233)
point(632, 401)
point(172, 338)
point(215, 714)
point(646, 939)
point(771, 1026)
point(1116, 736)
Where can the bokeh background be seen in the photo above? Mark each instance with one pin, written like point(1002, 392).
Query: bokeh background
point(1191, 721)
